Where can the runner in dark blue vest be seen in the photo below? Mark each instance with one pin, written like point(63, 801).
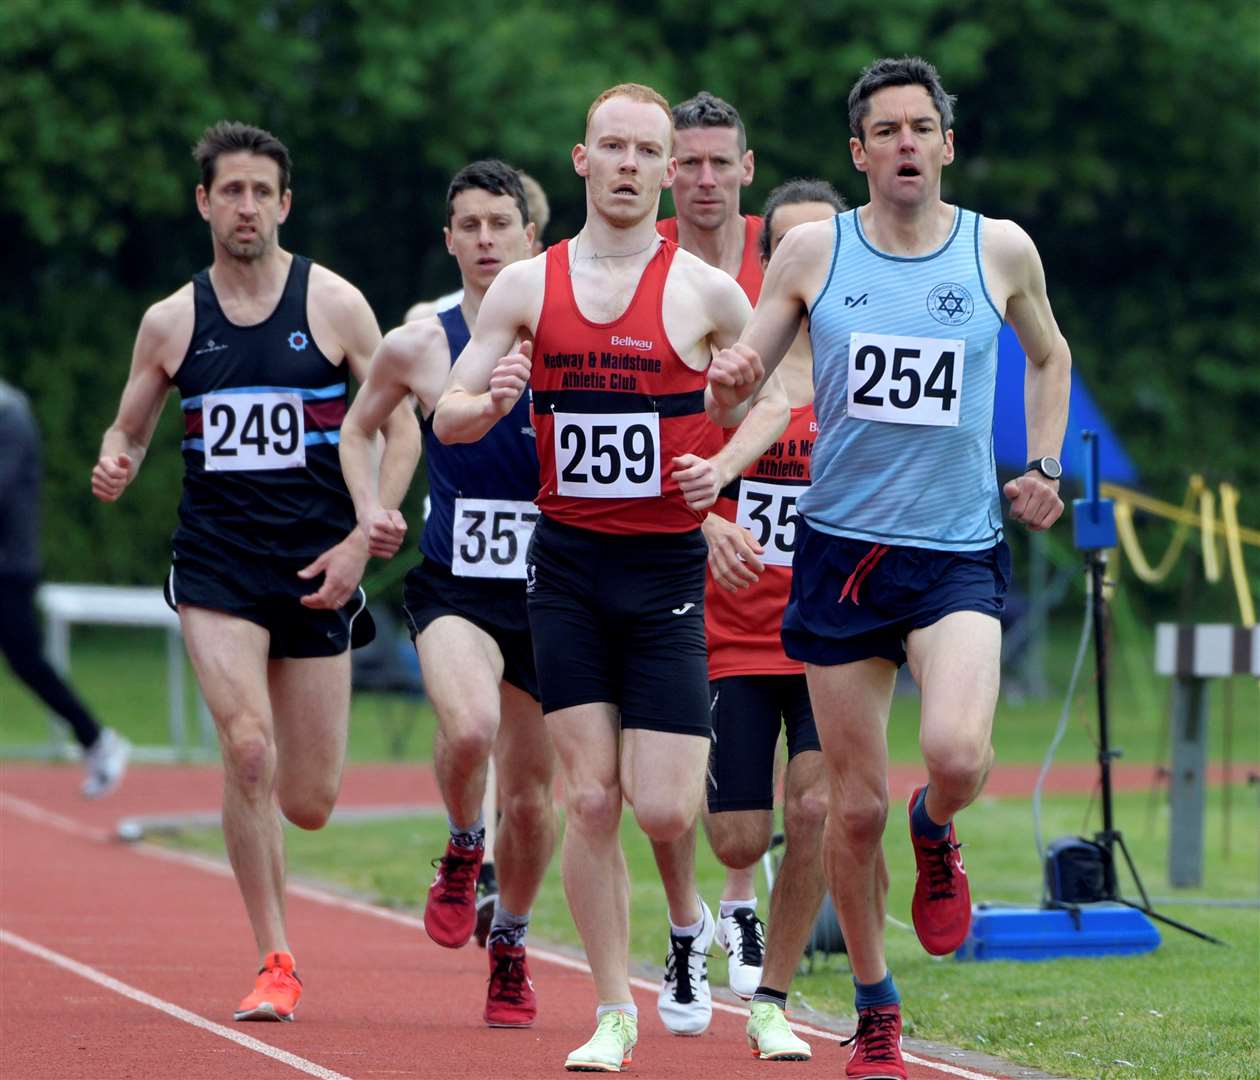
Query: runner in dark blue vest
point(267, 558)
point(466, 599)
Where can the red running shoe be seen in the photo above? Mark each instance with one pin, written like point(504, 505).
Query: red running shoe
point(876, 1053)
point(941, 909)
point(510, 999)
point(450, 914)
point(276, 991)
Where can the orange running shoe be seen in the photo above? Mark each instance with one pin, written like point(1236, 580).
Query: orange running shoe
point(276, 991)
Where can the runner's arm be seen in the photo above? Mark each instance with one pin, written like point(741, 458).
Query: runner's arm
point(488, 378)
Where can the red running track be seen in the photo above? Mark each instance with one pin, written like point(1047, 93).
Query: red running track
point(121, 961)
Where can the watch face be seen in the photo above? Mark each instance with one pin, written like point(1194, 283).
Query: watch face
point(1051, 467)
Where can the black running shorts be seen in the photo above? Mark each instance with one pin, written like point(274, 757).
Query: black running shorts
point(747, 711)
point(495, 606)
point(620, 619)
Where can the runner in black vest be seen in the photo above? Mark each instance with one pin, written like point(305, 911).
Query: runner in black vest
point(266, 556)
point(466, 600)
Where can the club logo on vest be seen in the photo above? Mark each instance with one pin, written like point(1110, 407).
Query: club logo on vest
point(630, 342)
point(210, 346)
point(950, 303)
point(297, 341)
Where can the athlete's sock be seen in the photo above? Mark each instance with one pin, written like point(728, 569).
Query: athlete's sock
point(770, 994)
point(727, 908)
point(617, 1006)
point(921, 824)
point(506, 928)
point(883, 992)
point(687, 931)
point(472, 837)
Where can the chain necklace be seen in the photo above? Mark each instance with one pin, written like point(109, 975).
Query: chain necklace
point(611, 255)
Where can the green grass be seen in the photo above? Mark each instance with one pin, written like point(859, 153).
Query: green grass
point(1188, 1009)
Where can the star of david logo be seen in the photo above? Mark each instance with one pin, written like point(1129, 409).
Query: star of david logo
point(950, 303)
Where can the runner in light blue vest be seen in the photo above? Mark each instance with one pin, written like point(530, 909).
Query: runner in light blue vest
point(899, 553)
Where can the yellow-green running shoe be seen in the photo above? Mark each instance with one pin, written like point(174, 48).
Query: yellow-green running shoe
point(609, 1049)
point(770, 1037)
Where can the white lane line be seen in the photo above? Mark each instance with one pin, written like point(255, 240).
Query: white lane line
point(330, 899)
point(110, 983)
point(33, 812)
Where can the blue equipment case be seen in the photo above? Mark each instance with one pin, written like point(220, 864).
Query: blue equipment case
point(1002, 933)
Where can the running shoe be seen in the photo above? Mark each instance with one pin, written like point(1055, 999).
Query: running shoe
point(510, 998)
point(685, 1003)
point(487, 897)
point(276, 991)
point(742, 935)
point(941, 908)
point(104, 764)
point(609, 1049)
point(450, 914)
point(876, 1053)
point(770, 1037)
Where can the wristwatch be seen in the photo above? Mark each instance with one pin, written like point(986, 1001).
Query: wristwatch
point(1049, 467)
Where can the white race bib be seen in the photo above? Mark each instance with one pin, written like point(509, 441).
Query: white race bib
point(245, 432)
point(905, 380)
point(490, 537)
point(608, 455)
point(768, 511)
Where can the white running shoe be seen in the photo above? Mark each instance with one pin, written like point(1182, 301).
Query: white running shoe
point(685, 1004)
point(104, 764)
point(742, 935)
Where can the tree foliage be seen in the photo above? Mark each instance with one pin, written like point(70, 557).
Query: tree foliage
point(1120, 134)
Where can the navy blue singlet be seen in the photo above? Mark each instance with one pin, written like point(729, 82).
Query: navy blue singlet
point(503, 464)
point(262, 418)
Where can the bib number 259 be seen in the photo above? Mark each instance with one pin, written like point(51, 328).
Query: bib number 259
point(906, 380)
point(608, 456)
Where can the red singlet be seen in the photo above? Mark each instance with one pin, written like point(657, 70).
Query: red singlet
point(614, 404)
point(743, 628)
point(750, 274)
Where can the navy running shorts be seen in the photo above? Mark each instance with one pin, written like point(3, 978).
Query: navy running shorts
point(267, 591)
point(620, 619)
point(747, 712)
point(495, 606)
point(854, 600)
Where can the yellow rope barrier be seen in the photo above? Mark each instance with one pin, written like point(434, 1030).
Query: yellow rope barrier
point(1207, 524)
point(1233, 545)
point(1128, 534)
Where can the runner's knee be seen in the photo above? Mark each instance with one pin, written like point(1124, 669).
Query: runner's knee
point(861, 817)
point(471, 739)
point(594, 809)
point(738, 851)
point(804, 815)
point(958, 768)
point(249, 753)
point(528, 807)
point(663, 820)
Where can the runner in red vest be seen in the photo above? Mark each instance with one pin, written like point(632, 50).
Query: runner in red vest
point(619, 327)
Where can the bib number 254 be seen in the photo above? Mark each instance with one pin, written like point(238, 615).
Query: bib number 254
point(905, 380)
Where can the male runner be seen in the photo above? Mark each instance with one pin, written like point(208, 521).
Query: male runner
point(266, 558)
point(899, 553)
point(466, 600)
point(714, 164)
point(620, 325)
point(753, 687)
point(539, 216)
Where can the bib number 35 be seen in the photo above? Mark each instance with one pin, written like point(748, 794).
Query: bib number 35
point(768, 511)
point(245, 432)
point(609, 456)
point(906, 380)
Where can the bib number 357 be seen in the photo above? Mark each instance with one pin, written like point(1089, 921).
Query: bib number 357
point(906, 380)
point(608, 456)
point(491, 537)
point(245, 432)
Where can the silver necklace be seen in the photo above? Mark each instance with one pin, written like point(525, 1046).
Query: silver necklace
point(611, 255)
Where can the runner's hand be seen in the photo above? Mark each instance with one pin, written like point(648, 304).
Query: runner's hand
point(1034, 500)
point(510, 377)
point(110, 477)
point(735, 374)
point(733, 553)
point(385, 531)
point(342, 566)
point(698, 480)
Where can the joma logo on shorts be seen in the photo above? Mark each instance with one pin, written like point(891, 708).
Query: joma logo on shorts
point(630, 342)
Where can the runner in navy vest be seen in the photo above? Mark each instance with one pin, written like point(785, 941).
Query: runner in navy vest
point(466, 600)
point(899, 551)
point(621, 324)
point(267, 558)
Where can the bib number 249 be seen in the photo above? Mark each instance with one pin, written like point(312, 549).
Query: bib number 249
point(244, 432)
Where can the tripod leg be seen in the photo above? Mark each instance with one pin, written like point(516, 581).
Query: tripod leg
point(1153, 914)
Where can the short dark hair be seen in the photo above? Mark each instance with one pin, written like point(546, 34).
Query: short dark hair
point(231, 137)
point(903, 71)
point(792, 192)
point(492, 175)
point(706, 110)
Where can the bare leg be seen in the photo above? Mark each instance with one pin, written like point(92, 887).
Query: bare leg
point(311, 702)
point(230, 657)
point(851, 703)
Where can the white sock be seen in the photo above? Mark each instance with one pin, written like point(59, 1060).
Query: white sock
point(727, 908)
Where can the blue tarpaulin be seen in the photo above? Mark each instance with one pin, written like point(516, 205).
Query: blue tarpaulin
point(1010, 435)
